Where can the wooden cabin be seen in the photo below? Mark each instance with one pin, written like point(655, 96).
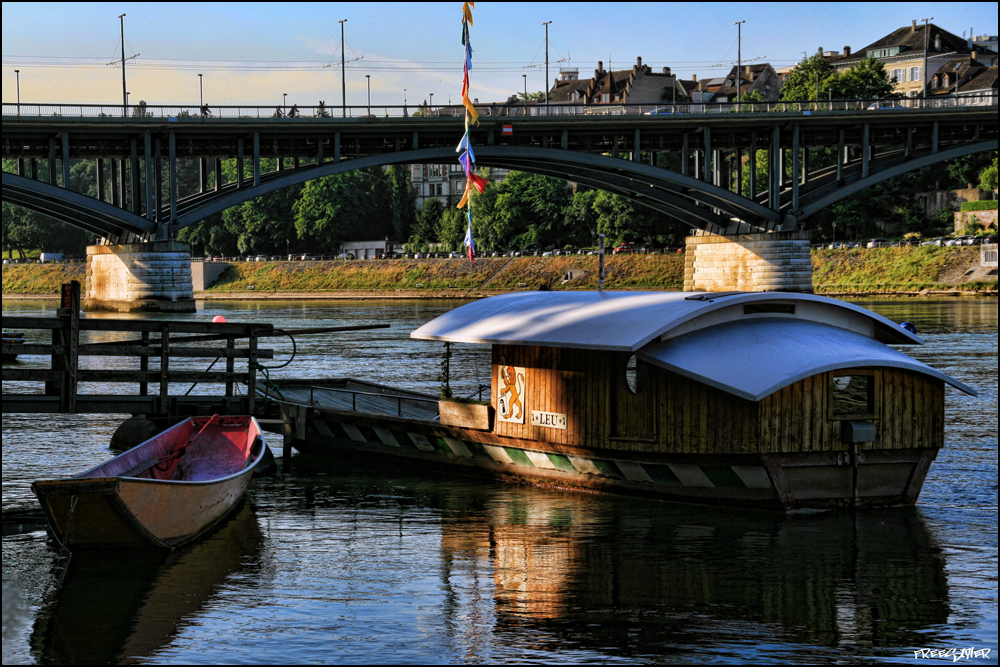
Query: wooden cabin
point(798, 394)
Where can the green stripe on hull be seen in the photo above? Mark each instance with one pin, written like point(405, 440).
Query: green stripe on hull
point(519, 457)
point(656, 474)
point(562, 463)
point(723, 477)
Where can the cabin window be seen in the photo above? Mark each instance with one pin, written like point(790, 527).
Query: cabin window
point(636, 375)
point(853, 397)
point(771, 308)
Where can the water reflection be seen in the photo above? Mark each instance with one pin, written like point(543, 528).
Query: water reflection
point(523, 569)
point(875, 579)
point(115, 606)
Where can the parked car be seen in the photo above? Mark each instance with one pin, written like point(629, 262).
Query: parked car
point(877, 243)
point(531, 249)
point(345, 255)
point(664, 111)
point(886, 105)
point(624, 249)
point(260, 258)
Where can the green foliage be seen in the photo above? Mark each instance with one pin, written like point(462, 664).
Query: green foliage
point(404, 201)
point(865, 80)
point(972, 227)
point(425, 229)
point(988, 176)
point(964, 171)
point(984, 205)
point(350, 206)
point(808, 80)
point(815, 79)
point(748, 100)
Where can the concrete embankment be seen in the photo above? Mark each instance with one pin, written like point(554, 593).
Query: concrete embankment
point(910, 271)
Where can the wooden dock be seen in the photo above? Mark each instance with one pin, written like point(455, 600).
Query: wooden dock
point(159, 340)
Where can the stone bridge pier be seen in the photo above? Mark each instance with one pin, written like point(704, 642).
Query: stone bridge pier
point(140, 277)
point(767, 262)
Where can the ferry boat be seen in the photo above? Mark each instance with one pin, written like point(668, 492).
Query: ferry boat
point(770, 400)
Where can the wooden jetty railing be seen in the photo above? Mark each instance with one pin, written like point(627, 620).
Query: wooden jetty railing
point(63, 378)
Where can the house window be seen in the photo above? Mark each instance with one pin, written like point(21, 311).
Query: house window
point(915, 74)
point(605, 98)
point(899, 75)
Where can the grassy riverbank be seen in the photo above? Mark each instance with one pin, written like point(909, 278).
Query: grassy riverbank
point(859, 271)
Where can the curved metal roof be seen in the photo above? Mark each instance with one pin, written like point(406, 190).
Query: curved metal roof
point(626, 321)
point(772, 353)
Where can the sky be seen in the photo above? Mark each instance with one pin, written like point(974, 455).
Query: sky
point(252, 54)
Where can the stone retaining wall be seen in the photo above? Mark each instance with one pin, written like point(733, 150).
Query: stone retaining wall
point(775, 261)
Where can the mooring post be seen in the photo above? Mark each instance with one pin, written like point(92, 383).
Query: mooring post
point(64, 353)
point(252, 370)
point(230, 365)
point(144, 365)
point(164, 367)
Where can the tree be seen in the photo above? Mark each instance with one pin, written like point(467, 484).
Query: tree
point(864, 80)
point(351, 206)
point(807, 80)
point(581, 217)
point(530, 201)
point(988, 177)
point(404, 201)
point(426, 227)
point(964, 171)
point(451, 228)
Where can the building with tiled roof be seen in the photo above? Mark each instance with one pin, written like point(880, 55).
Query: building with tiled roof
point(902, 52)
point(761, 77)
point(982, 86)
point(953, 74)
point(638, 85)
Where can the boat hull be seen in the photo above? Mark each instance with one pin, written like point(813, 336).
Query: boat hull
point(806, 480)
point(124, 511)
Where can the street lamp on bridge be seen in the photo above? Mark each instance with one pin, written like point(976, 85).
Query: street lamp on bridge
point(284, 100)
point(369, 79)
point(17, 75)
point(431, 105)
point(201, 92)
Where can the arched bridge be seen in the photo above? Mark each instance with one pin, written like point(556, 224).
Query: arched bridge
point(611, 152)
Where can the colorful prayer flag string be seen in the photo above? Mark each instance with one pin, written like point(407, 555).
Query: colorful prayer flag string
point(467, 157)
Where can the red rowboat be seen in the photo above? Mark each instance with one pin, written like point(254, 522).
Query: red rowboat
point(163, 493)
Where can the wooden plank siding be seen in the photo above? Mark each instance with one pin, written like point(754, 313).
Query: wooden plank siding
point(675, 414)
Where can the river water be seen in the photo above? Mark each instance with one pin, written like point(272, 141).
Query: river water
point(353, 562)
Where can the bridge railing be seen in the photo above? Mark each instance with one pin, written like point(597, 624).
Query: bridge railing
point(180, 113)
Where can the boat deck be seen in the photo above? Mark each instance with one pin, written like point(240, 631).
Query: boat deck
point(350, 395)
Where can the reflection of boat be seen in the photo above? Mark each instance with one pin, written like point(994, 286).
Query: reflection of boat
point(684, 577)
point(11, 341)
point(750, 399)
point(141, 597)
point(163, 493)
